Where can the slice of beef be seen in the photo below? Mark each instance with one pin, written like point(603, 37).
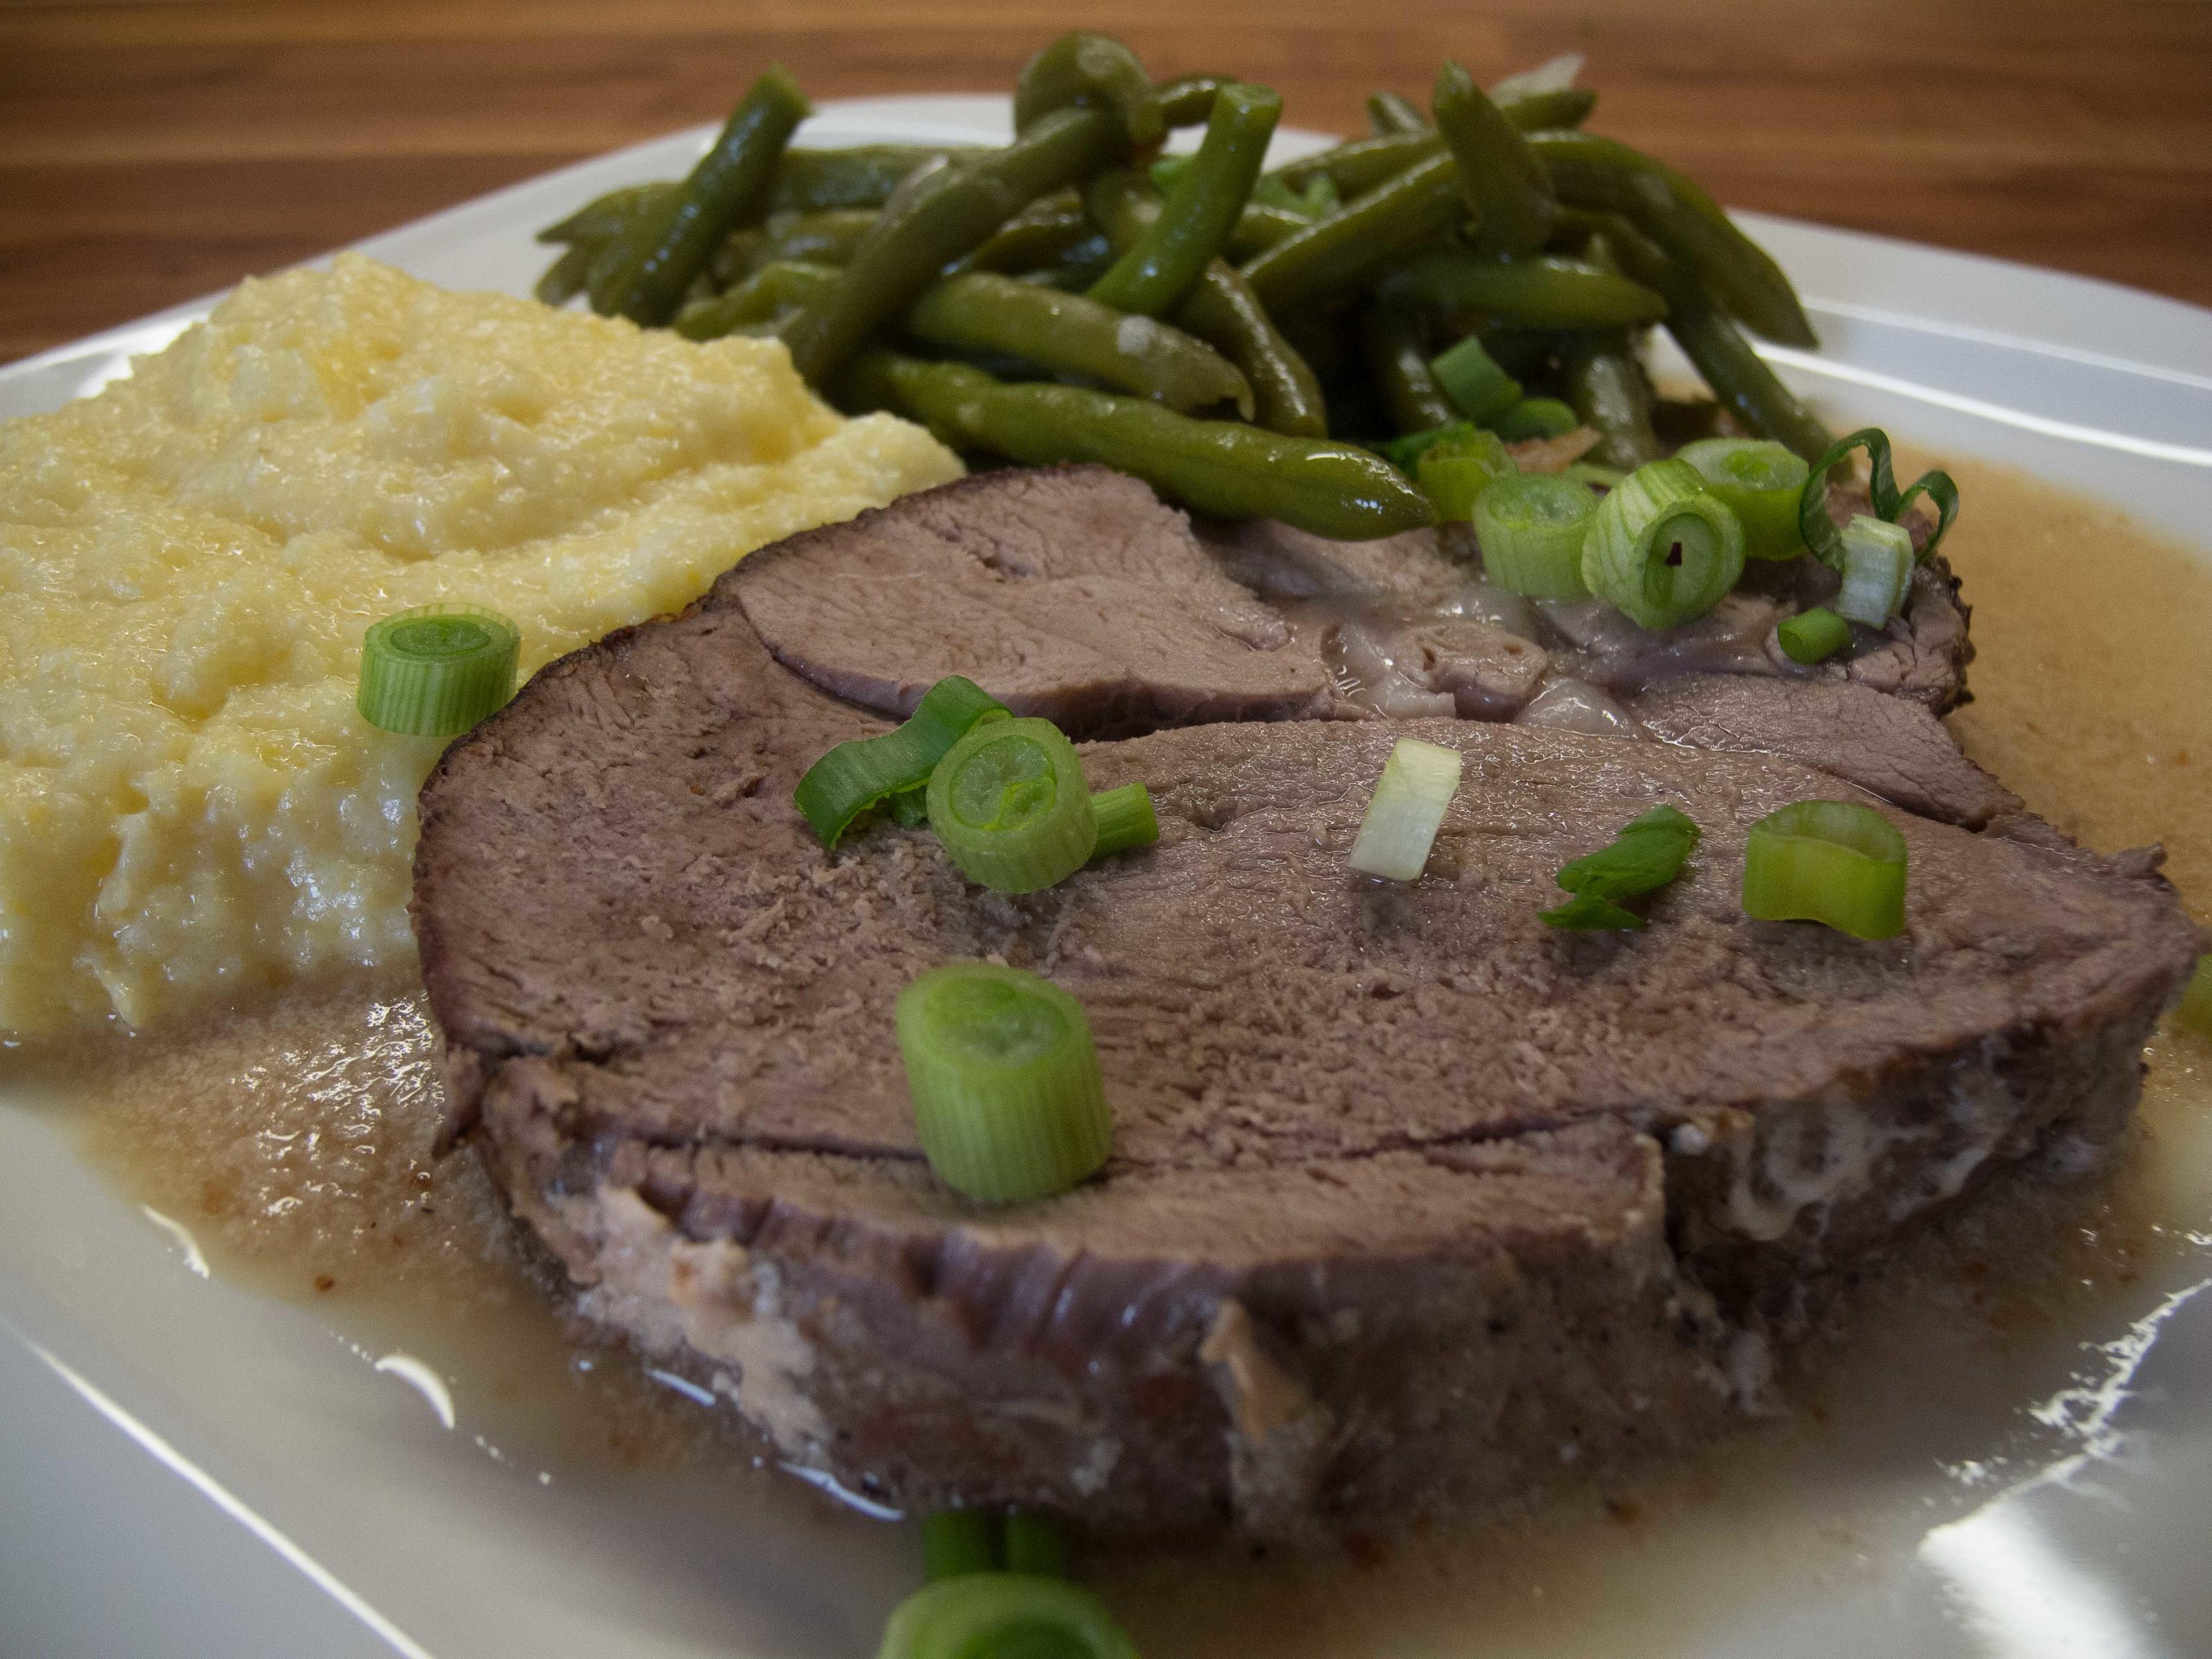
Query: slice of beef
point(1070, 592)
point(1408, 1192)
point(1888, 745)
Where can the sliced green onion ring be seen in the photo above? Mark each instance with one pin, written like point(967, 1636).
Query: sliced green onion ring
point(1004, 1615)
point(1536, 417)
point(1405, 454)
point(1663, 549)
point(1034, 1546)
point(1455, 470)
point(865, 772)
point(2196, 1009)
point(1009, 803)
point(1126, 819)
point(1832, 862)
point(1008, 1099)
point(1648, 853)
point(1763, 482)
point(1531, 526)
point(437, 671)
point(955, 1542)
point(1814, 635)
point(1819, 529)
point(1472, 379)
point(1596, 477)
point(1877, 571)
point(1417, 783)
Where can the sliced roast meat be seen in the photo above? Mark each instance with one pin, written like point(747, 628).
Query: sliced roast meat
point(1069, 593)
point(1408, 1193)
point(1888, 745)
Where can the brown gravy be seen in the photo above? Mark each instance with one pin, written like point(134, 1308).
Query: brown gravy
point(293, 1141)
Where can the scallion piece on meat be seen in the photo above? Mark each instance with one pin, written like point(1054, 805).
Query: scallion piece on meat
point(1763, 482)
point(1648, 854)
point(1417, 783)
point(1663, 549)
point(1877, 570)
point(2196, 1010)
point(866, 772)
point(1454, 471)
point(1009, 803)
point(437, 671)
point(1814, 635)
point(1540, 417)
point(1531, 526)
point(1008, 1099)
point(1472, 379)
point(1831, 861)
point(1890, 504)
point(1126, 819)
point(1004, 1613)
point(958, 1541)
point(1034, 1546)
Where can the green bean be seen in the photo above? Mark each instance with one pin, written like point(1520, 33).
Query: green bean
point(826, 238)
point(1201, 211)
point(772, 288)
point(606, 217)
point(1360, 164)
point(1068, 333)
point(1389, 112)
point(861, 177)
point(956, 210)
point(1610, 391)
point(1674, 212)
point(1261, 226)
point(1399, 369)
point(567, 275)
point(1040, 233)
point(1238, 472)
point(1187, 100)
point(1539, 112)
point(1546, 289)
point(1358, 167)
point(1717, 349)
point(671, 243)
point(1337, 253)
point(1083, 71)
point(1504, 186)
point(1222, 310)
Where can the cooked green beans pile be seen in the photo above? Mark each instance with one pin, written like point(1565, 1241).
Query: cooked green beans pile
point(1246, 341)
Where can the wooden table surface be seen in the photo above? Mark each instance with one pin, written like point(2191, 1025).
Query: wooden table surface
point(149, 153)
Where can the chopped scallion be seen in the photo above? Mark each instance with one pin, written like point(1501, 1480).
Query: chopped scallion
point(2196, 1010)
point(1472, 380)
point(1762, 481)
point(1405, 454)
point(1000, 1615)
point(1417, 783)
point(1531, 527)
point(1126, 819)
point(1877, 571)
point(1008, 1099)
point(958, 1541)
point(1009, 803)
point(893, 768)
point(1648, 854)
point(1034, 1546)
point(437, 671)
point(1814, 635)
point(1819, 529)
point(1831, 861)
point(1455, 470)
point(1662, 549)
point(1535, 418)
point(1596, 477)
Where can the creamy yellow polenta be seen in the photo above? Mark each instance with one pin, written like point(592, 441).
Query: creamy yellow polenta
point(189, 803)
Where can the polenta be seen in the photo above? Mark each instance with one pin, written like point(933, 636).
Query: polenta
point(189, 803)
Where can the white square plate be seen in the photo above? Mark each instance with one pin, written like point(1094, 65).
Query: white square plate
point(190, 1467)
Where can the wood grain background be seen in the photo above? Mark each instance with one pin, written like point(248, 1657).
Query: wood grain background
point(149, 153)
